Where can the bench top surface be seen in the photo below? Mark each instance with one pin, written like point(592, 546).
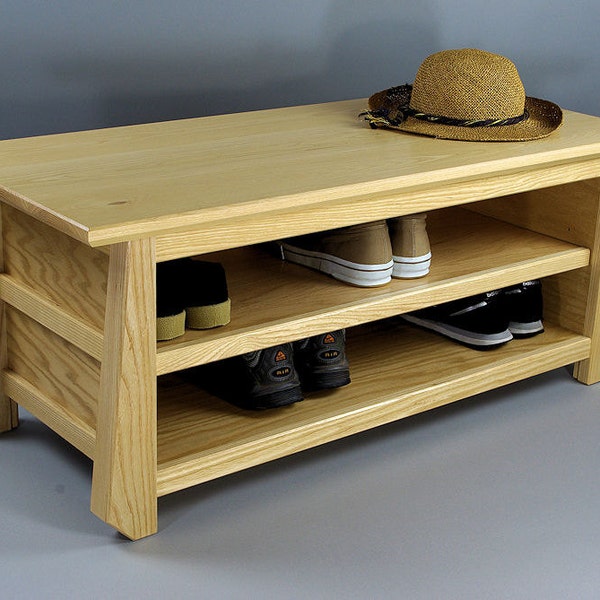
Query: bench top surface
point(107, 185)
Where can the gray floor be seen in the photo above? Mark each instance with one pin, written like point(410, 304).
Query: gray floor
point(494, 497)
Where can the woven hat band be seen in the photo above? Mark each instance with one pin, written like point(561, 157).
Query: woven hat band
point(399, 98)
point(467, 123)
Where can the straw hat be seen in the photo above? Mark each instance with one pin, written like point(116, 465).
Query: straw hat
point(465, 94)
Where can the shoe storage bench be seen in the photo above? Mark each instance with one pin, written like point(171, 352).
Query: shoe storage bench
point(86, 216)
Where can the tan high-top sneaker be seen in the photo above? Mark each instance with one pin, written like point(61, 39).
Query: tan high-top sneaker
point(360, 254)
point(410, 246)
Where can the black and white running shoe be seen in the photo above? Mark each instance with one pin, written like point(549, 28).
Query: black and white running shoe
point(477, 321)
point(525, 307)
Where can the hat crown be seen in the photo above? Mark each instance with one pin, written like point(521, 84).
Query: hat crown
point(468, 84)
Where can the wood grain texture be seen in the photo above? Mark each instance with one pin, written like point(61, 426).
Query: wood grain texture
point(567, 212)
point(124, 477)
point(274, 302)
point(396, 371)
point(60, 371)
point(110, 185)
point(9, 410)
point(588, 371)
point(62, 322)
point(51, 411)
point(67, 273)
point(269, 225)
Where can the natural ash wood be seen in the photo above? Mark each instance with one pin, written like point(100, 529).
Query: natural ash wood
point(59, 269)
point(9, 415)
point(589, 371)
point(251, 229)
point(9, 410)
point(396, 371)
point(61, 372)
point(223, 167)
point(76, 428)
point(271, 298)
point(124, 477)
point(567, 212)
point(62, 322)
point(565, 297)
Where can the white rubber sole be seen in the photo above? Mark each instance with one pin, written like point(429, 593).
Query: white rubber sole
point(411, 267)
point(462, 335)
point(357, 274)
point(526, 329)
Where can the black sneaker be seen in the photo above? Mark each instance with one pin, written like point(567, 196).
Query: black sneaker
point(207, 302)
point(190, 293)
point(170, 306)
point(321, 361)
point(478, 321)
point(256, 380)
point(525, 307)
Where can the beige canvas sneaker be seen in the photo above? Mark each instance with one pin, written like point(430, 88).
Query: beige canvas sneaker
point(360, 255)
point(410, 246)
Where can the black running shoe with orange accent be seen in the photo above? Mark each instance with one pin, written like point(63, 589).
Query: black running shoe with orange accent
point(269, 378)
point(321, 361)
point(256, 380)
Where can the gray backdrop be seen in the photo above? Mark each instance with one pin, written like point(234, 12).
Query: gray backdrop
point(68, 65)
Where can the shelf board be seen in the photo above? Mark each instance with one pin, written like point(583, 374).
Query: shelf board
point(397, 370)
point(271, 298)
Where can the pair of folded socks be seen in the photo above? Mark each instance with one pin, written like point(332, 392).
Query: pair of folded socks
point(190, 294)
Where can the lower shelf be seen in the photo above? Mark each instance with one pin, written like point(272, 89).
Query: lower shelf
point(397, 371)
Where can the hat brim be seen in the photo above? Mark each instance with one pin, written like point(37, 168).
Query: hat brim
point(544, 118)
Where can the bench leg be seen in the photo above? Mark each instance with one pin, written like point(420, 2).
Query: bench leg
point(588, 371)
point(124, 477)
point(8, 414)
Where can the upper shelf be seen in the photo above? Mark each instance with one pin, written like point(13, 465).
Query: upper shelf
point(274, 301)
point(111, 185)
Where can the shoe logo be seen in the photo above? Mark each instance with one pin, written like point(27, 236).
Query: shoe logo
point(281, 372)
point(280, 356)
point(329, 339)
point(329, 354)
